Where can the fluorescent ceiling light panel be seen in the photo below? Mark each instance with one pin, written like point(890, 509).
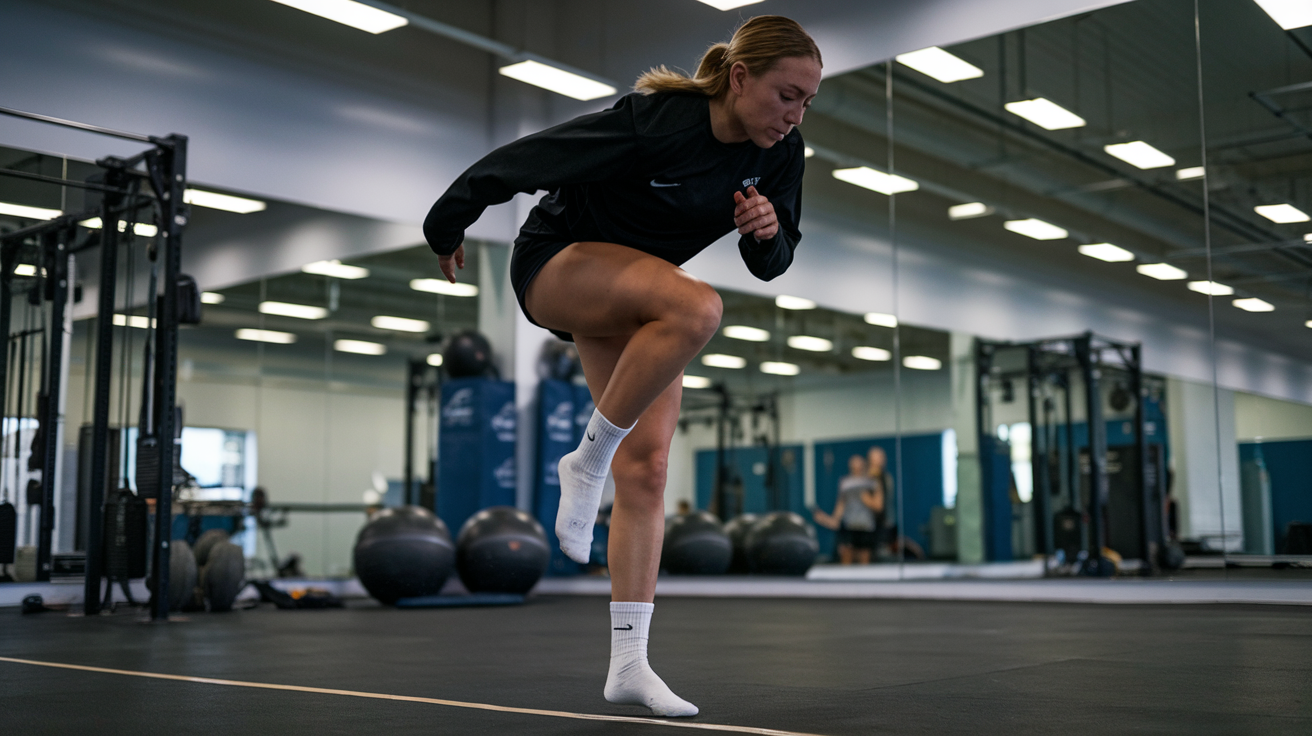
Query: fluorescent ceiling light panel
point(1162, 271)
point(1211, 288)
point(141, 229)
point(969, 210)
point(1140, 154)
point(349, 13)
point(696, 382)
point(335, 269)
point(880, 319)
point(783, 301)
point(1045, 113)
point(359, 347)
point(135, 320)
point(299, 311)
point(1190, 173)
point(399, 324)
point(557, 80)
point(808, 152)
point(743, 332)
point(25, 269)
point(1289, 14)
point(1253, 304)
point(211, 297)
point(729, 4)
point(1035, 228)
point(443, 287)
point(28, 213)
point(1106, 252)
point(941, 65)
point(281, 338)
point(1307, 237)
point(780, 369)
point(922, 363)
point(434, 359)
point(813, 344)
point(225, 202)
point(716, 360)
point(865, 352)
point(876, 181)
point(1281, 213)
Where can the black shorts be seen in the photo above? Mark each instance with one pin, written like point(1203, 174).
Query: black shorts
point(856, 538)
point(527, 259)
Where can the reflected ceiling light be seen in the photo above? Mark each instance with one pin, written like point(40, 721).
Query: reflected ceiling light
point(1308, 324)
point(1140, 154)
point(881, 319)
point(1162, 271)
point(865, 352)
point(1106, 252)
point(922, 363)
point(281, 338)
point(1045, 113)
point(729, 4)
point(813, 344)
point(968, 211)
point(399, 324)
point(335, 269)
point(1253, 304)
point(1289, 14)
point(783, 301)
point(1211, 288)
point(876, 181)
point(28, 213)
point(1307, 237)
point(135, 320)
point(225, 202)
point(1190, 173)
point(743, 332)
point(1035, 228)
point(780, 369)
point(557, 80)
point(808, 152)
point(443, 287)
point(434, 359)
point(349, 13)
point(716, 360)
point(941, 65)
point(211, 297)
point(299, 311)
point(141, 229)
point(359, 347)
point(696, 382)
point(1281, 213)
point(24, 269)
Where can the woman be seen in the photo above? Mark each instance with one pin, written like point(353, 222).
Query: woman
point(634, 192)
point(855, 517)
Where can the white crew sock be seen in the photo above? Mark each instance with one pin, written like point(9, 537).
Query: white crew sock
point(631, 681)
point(582, 478)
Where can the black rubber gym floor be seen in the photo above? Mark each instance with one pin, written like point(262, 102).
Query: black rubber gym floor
point(813, 666)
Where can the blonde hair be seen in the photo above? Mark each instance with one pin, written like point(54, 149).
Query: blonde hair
point(759, 44)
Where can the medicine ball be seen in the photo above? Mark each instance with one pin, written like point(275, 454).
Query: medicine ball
point(182, 574)
point(695, 544)
point(205, 543)
point(781, 543)
point(737, 529)
point(559, 360)
point(403, 553)
point(468, 355)
point(501, 550)
point(223, 576)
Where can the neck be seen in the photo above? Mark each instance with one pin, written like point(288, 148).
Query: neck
point(725, 125)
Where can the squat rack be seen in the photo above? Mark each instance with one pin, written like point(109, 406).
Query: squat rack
point(118, 184)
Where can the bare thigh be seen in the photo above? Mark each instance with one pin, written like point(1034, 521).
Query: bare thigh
point(655, 428)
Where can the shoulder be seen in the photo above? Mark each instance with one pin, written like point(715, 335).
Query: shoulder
point(665, 113)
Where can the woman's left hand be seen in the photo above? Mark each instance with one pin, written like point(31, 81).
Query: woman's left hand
point(754, 214)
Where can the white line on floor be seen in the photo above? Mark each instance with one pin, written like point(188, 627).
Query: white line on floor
point(413, 699)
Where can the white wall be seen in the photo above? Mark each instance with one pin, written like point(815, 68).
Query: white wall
point(1260, 417)
point(1206, 484)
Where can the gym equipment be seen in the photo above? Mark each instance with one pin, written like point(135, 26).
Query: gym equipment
point(559, 361)
point(737, 529)
point(468, 355)
point(207, 542)
point(402, 553)
point(183, 575)
point(695, 544)
point(476, 469)
point(781, 543)
point(224, 574)
point(423, 382)
point(501, 550)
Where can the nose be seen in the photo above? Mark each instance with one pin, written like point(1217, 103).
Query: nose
point(794, 116)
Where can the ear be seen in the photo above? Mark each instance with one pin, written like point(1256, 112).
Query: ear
point(737, 77)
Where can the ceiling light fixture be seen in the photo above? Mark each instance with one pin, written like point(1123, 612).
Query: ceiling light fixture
point(876, 181)
point(557, 80)
point(273, 336)
point(813, 344)
point(359, 347)
point(1190, 173)
point(880, 319)
point(349, 13)
point(1106, 252)
point(443, 287)
point(135, 320)
point(941, 65)
point(434, 359)
point(225, 202)
point(299, 311)
point(783, 301)
point(141, 229)
point(743, 332)
point(729, 4)
point(27, 269)
point(865, 352)
point(1035, 228)
point(1140, 154)
point(399, 324)
point(969, 211)
point(1289, 14)
point(1162, 271)
point(716, 360)
point(1045, 113)
point(1211, 288)
point(779, 368)
point(696, 382)
point(211, 297)
point(1253, 304)
point(28, 213)
point(336, 269)
point(808, 152)
point(1281, 213)
point(922, 363)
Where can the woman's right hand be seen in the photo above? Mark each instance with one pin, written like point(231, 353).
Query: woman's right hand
point(450, 263)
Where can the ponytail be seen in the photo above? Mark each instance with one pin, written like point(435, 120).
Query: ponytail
point(759, 44)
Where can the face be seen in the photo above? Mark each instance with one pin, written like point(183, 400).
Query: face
point(856, 465)
point(771, 105)
point(877, 459)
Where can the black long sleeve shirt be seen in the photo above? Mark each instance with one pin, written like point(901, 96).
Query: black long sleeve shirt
point(647, 173)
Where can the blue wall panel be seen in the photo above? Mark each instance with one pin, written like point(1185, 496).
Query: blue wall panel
point(476, 466)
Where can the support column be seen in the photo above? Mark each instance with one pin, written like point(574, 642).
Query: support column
point(969, 503)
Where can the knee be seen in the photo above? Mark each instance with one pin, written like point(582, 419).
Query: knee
point(703, 310)
point(642, 478)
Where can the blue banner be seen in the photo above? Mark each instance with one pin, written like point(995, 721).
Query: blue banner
point(476, 466)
